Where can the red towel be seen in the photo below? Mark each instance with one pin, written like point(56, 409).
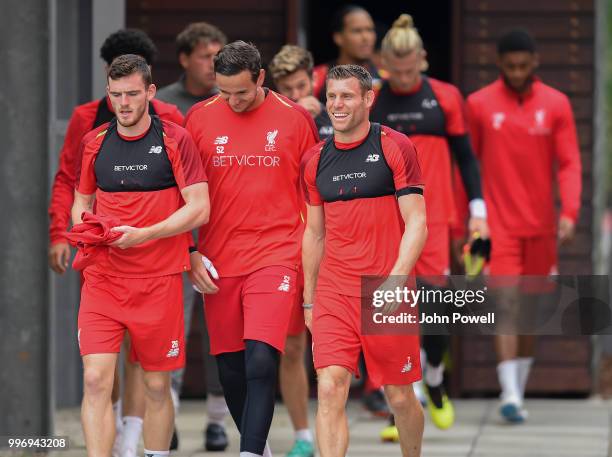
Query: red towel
point(91, 238)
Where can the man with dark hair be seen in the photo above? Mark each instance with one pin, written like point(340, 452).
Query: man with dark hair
point(145, 174)
point(291, 70)
point(85, 118)
point(196, 47)
point(354, 33)
point(364, 196)
point(252, 141)
point(520, 129)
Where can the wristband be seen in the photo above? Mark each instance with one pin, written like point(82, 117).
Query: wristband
point(307, 305)
point(478, 208)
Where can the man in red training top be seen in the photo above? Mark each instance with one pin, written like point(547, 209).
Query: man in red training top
point(85, 118)
point(366, 216)
point(146, 173)
point(521, 128)
point(252, 141)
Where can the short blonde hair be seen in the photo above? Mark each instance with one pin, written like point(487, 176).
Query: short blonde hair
point(289, 60)
point(402, 39)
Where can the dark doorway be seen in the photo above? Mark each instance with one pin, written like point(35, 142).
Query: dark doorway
point(432, 19)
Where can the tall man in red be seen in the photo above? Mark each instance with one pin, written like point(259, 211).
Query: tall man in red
point(252, 141)
point(147, 174)
point(521, 129)
point(366, 216)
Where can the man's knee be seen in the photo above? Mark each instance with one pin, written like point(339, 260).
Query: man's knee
point(294, 349)
point(157, 386)
point(400, 398)
point(333, 387)
point(97, 382)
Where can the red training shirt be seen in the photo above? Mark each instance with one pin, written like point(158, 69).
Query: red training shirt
point(252, 160)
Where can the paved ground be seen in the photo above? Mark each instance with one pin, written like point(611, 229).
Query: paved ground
point(556, 428)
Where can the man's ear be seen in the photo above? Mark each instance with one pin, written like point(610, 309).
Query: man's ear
point(536, 60)
point(261, 77)
point(151, 91)
point(183, 59)
point(369, 98)
point(337, 37)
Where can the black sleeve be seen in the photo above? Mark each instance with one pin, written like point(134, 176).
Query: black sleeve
point(468, 166)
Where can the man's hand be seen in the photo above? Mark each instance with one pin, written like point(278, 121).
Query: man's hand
point(131, 237)
point(308, 319)
point(394, 282)
point(567, 230)
point(311, 104)
point(478, 226)
point(59, 254)
point(199, 274)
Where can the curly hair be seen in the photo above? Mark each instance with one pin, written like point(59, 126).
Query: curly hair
point(128, 41)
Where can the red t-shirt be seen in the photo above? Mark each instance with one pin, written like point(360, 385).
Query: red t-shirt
point(252, 161)
point(519, 140)
point(81, 122)
point(138, 181)
point(358, 185)
point(429, 115)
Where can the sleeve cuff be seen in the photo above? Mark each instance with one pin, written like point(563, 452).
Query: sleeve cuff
point(478, 208)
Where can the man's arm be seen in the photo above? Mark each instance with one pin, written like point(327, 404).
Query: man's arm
point(82, 203)
point(412, 208)
point(193, 214)
point(313, 247)
point(569, 173)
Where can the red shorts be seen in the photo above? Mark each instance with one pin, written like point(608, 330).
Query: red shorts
point(256, 306)
point(337, 340)
point(297, 326)
point(435, 256)
point(151, 309)
point(513, 256)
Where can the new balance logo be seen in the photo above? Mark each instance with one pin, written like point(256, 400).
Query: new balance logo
point(285, 285)
point(407, 367)
point(221, 139)
point(373, 158)
point(174, 351)
point(155, 150)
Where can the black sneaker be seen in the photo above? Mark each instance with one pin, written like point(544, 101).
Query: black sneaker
point(215, 438)
point(375, 402)
point(174, 441)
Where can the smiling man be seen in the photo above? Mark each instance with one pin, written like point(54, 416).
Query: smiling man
point(252, 141)
point(366, 210)
point(147, 174)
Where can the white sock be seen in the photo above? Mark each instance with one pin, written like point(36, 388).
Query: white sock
point(423, 358)
point(524, 366)
point(267, 450)
point(118, 417)
point(176, 402)
point(507, 372)
point(304, 435)
point(434, 375)
point(216, 409)
point(248, 454)
point(148, 453)
point(132, 429)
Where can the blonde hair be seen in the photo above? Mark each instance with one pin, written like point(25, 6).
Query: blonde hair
point(289, 60)
point(403, 38)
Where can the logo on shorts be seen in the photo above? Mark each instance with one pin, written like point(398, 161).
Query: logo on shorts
point(155, 150)
point(407, 367)
point(285, 285)
point(271, 138)
point(174, 350)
